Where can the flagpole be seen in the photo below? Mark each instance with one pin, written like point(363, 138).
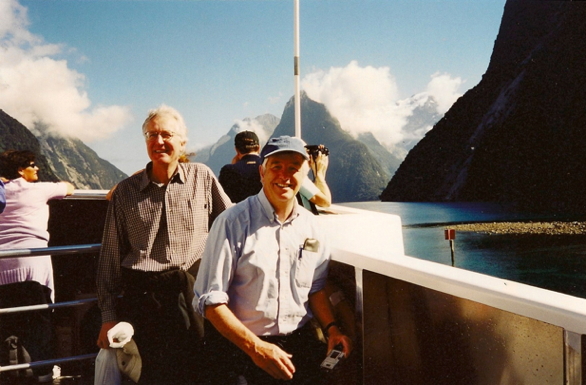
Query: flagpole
point(296, 68)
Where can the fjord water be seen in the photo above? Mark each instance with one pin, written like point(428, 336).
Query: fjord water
point(554, 262)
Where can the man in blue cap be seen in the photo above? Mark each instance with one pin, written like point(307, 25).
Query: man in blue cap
point(262, 279)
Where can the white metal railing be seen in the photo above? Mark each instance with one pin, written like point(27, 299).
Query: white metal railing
point(372, 242)
point(54, 250)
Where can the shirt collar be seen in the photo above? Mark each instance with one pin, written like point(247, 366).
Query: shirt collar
point(269, 211)
point(179, 175)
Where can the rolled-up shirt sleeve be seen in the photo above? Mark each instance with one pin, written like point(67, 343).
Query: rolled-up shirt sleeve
point(216, 269)
point(308, 189)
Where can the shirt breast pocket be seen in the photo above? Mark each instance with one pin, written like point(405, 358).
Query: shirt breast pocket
point(305, 269)
point(188, 217)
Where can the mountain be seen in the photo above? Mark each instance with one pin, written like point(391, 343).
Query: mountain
point(423, 118)
point(222, 152)
point(354, 173)
point(519, 136)
point(59, 158)
point(73, 161)
point(357, 170)
point(389, 162)
point(424, 115)
point(15, 136)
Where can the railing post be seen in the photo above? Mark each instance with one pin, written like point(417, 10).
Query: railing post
point(573, 356)
point(358, 276)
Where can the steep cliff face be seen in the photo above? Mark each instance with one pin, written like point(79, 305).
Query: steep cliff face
point(519, 135)
point(72, 160)
point(59, 158)
point(15, 136)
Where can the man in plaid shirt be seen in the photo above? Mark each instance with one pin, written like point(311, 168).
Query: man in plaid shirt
point(155, 232)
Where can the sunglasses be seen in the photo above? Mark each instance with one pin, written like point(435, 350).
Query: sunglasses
point(32, 165)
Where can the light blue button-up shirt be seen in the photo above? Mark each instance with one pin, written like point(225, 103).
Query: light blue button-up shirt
point(260, 268)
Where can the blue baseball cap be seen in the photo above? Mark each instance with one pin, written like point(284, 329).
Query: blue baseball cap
point(282, 144)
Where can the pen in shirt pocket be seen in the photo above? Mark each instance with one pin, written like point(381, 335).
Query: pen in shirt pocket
point(310, 244)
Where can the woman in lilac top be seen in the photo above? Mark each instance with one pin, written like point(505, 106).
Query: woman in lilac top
point(27, 280)
point(23, 224)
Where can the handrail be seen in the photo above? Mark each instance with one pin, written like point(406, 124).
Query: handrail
point(88, 195)
point(9, 310)
point(54, 361)
point(53, 250)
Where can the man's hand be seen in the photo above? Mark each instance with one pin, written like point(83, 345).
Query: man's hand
point(269, 357)
point(103, 338)
point(273, 360)
point(319, 164)
point(336, 337)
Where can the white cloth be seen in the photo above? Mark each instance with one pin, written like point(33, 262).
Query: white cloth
point(106, 370)
point(107, 367)
point(120, 334)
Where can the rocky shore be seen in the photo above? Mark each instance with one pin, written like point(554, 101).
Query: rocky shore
point(547, 228)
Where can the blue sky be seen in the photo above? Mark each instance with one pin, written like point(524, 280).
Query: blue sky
point(93, 68)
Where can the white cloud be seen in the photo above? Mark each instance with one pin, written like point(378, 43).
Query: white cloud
point(444, 90)
point(36, 87)
point(255, 126)
point(366, 99)
point(275, 99)
point(248, 125)
point(13, 22)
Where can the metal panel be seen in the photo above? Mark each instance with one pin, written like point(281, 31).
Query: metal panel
point(414, 335)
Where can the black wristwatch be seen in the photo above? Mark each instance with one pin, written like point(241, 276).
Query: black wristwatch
point(333, 323)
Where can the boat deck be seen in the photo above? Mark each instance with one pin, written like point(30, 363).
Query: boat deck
point(416, 322)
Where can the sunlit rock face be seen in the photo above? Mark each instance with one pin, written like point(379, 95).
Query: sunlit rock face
point(519, 135)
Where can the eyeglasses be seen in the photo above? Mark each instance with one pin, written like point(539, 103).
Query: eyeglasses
point(32, 165)
point(154, 135)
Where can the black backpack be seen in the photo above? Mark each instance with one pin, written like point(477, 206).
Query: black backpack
point(13, 353)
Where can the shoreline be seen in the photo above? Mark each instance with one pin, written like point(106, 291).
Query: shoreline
point(520, 228)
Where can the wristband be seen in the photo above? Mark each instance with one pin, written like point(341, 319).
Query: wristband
point(333, 323)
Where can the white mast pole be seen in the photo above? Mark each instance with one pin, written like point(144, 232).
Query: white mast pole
point(296, 68)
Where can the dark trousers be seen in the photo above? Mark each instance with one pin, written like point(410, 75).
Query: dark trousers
point(34, 329)
point(225, 362)
point(156, 307)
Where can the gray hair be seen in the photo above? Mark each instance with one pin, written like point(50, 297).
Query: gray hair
point(164, 110)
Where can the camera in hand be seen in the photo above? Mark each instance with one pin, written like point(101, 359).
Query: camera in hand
point(334, 356)
point(313, 150)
